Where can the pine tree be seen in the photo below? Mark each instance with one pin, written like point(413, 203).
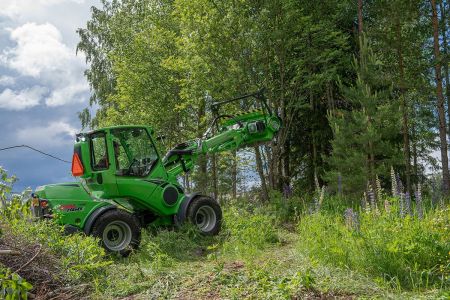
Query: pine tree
point(364, 136)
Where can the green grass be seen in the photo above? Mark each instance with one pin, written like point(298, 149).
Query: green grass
point(283, 250)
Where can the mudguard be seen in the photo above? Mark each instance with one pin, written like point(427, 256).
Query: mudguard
point(94, 215)
point(182, 210)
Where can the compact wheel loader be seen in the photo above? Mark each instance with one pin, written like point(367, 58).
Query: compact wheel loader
point(126, 184)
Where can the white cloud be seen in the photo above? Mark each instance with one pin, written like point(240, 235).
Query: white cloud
point(41, 54)
point(39, 50)
point(7, 80)
point(52, 135)
point(59, 96)
point(18, 100)
point(18, 8)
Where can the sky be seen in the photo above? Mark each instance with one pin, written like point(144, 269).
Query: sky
point(42, 86)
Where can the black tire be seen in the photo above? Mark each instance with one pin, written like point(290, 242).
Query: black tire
point(118, 230)
point(205, 213)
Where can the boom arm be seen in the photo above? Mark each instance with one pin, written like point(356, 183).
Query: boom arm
point(235, 132)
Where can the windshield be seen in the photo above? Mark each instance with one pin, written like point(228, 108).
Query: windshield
point(134, 151)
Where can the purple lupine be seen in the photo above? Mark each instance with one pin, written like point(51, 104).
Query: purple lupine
point(373, 201)
point(399, 185)
point(407, 203)
point(387, 206)
point(419, 202)
point(401, 205)
point(351, 219)
point(364, 202)
point(379, 189)
point(394, 183)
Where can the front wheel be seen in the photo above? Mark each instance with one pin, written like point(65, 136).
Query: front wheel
point(118, 230)
point(206, 214)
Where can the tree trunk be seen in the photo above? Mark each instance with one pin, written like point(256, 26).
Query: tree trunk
point(202, 179)
point(440, 102)
point(415, 174)
point(360, 17)
point(313, 140)
point(445, 61)
point(404, 106)
point(259, 168)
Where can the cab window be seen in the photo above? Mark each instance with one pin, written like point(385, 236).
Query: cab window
point(134, 151)
point(99, 153)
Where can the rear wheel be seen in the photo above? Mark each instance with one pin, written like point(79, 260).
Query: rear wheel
point(206, 214)
point(118, 230)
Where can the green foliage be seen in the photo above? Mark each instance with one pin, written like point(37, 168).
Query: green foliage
point(12, 286)
point(15, 206)
point(406, 253)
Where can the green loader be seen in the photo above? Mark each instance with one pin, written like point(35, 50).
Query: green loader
point(126, 184)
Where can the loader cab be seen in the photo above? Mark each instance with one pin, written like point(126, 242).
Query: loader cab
point(113, 156)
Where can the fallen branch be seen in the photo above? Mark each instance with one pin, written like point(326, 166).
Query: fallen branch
point(9, 252)
point(28, 262)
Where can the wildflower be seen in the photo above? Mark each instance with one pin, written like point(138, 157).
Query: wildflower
point(387, 206)
point(372, 199)
point(379, 189)
point(364, 202)
point(365, 205)
point(407, 203)
point(394, 183)
point(351, 219)
point(401, 205)
point(419, 202)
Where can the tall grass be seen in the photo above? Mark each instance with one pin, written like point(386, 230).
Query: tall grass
point(404, 252)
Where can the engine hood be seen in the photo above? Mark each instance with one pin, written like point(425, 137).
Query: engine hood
point(60, 191)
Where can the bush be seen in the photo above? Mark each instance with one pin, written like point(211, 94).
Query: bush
point(405, 252)
point(12, 286)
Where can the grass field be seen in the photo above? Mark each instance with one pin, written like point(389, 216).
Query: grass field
point(277, 251)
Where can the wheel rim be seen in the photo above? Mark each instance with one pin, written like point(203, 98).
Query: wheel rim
point(205, 218)
point(117, 235)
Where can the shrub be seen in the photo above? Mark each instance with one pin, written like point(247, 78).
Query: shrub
point(12, 286)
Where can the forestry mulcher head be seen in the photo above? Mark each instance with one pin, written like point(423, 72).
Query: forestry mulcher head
point(232, 131)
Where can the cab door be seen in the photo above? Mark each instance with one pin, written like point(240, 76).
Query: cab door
point(103, 182)
point(137, 165)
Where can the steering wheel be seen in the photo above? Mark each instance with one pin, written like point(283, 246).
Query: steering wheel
point(135, 161)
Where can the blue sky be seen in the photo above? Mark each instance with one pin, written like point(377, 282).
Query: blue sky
point(42, 86)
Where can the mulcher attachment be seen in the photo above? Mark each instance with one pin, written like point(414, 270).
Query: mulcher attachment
point(227, 132)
